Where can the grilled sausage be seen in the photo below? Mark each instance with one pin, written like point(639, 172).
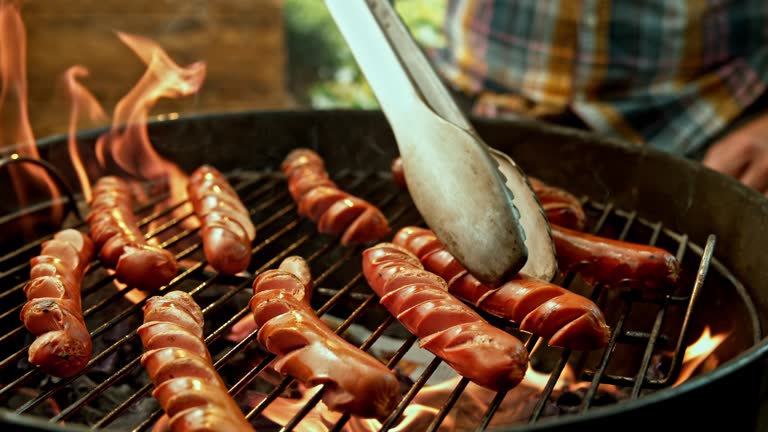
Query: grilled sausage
point(355, 382)
point(227, 230)
point(53, 310)
point(334, 210)
point(565, 318)
point(651, 270)
point(398, 172)
point(187, 386)
point(445, 326)
point(121, 244)
point(561, 207)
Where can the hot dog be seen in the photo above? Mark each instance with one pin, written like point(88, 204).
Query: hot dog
point(187, 386)
point(227, 230)
point(355, 382)
point(560, 206)
point(445, 326)
point(598, 260)
point(566, 319)
point(398, 172)
point(53, 310)
point(334, 210)
point(121, 244)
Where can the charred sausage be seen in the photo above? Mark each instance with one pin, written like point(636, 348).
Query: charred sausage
point(335, 211)
point(565, 318)
point(187, 386)
point(121, 245)
point(486, 355)
point(53, 310)
point(355, 382)
point(598, 260)
point(227, 230)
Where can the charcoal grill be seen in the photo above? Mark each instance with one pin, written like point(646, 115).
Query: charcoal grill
point(714, 225)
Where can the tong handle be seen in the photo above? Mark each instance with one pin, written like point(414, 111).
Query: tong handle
point(377, 59)
point(416, 64)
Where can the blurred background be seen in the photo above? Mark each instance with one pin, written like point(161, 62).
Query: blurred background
point(260, 54)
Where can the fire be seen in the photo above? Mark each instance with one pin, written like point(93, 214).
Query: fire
point(133, 295)
point(698, 352)
point(128, 142)
point(83, 103)
point(30, 182)
point(424, 407)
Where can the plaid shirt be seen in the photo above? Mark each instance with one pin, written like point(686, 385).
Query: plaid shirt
point(671, 73)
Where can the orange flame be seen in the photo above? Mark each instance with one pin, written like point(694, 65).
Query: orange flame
point(134, 295)
point(30, 182)
point(698, 352)
point(128, 142)
point(83, 102)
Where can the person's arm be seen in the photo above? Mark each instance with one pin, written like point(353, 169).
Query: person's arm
point(743, 154)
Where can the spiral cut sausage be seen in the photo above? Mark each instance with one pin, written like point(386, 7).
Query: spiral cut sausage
point(306, 349)
point(565, 318)
point(53, 310)
point(227, 230)
point(560, 206)
point(187, 386)
point(651, 270)
point(121, 244)
point(334, 210)
point(486, 355)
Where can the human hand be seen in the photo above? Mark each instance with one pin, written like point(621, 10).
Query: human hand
point(743, 154)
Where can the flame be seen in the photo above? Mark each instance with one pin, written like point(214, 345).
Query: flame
point(82, 102)
point(698, 352)
point(128, 142)
point(134, 295)
point(29, 182)
point(424, 406)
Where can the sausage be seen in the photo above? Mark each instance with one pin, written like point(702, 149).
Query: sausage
point(187, 386)
point(398, 172)
point(651, 270)
point(227, 230)
point(355, 382)
point(566, 319)
point(121, 245)
point(560, 206)
point(53, 310)
point(488, 356)
point(335, 211)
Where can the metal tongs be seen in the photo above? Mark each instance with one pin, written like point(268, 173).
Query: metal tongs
point(477, 200)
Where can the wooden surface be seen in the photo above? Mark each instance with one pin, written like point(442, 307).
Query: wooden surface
point(241, 41)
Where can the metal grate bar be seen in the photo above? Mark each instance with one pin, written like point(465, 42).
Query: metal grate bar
point(448, 405)
point(406, 400)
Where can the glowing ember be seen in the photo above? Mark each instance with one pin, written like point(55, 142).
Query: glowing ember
point(134, 295)
point(31, 183)
point(83, 104)
point(698, 352)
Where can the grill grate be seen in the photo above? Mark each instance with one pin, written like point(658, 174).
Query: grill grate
point(339, 284)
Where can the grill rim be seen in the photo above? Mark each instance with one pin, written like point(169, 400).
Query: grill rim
point(747, 358)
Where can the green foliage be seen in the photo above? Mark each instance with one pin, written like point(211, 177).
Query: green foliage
point(323, 71)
